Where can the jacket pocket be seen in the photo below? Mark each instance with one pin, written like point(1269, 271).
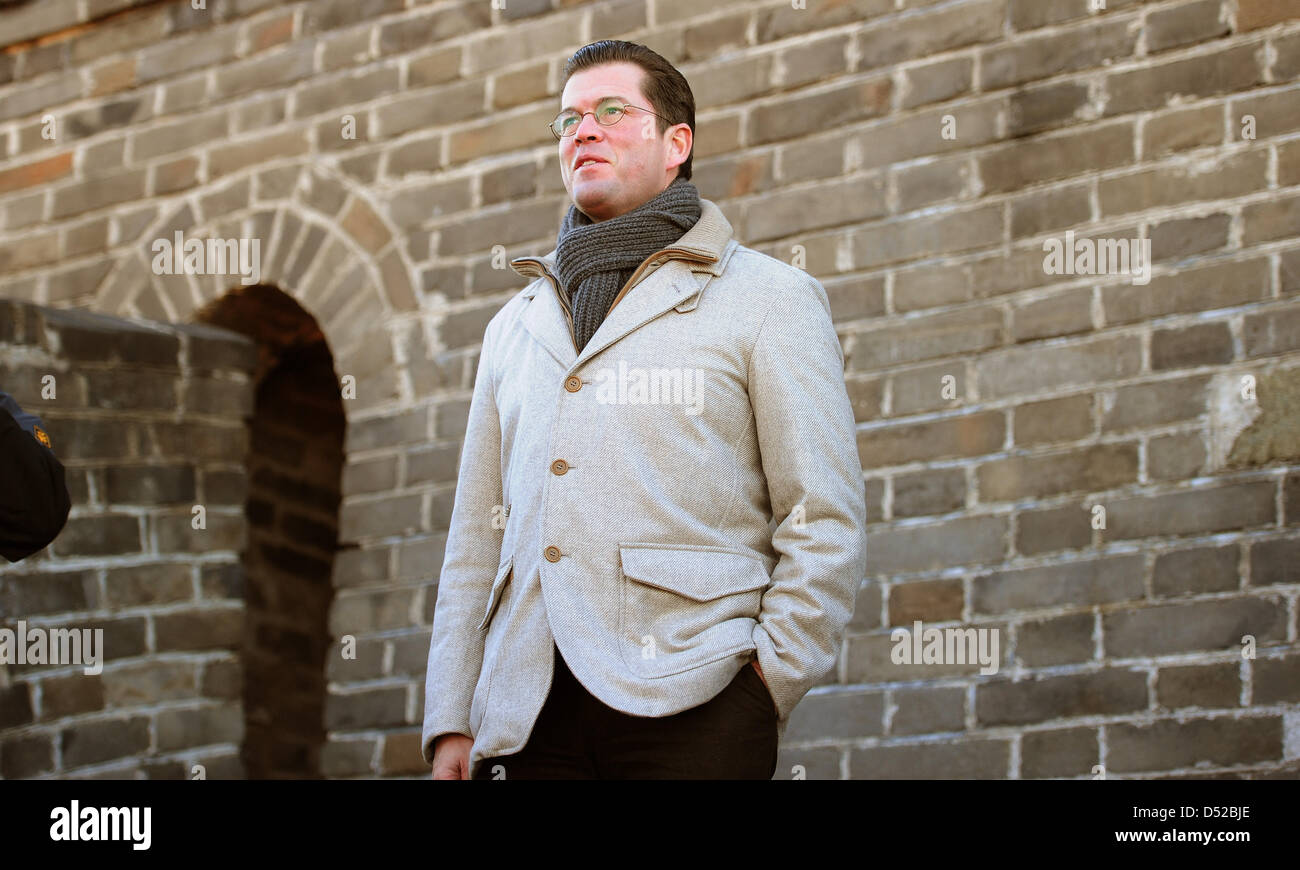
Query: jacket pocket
point(498, 589)
point(686, 606)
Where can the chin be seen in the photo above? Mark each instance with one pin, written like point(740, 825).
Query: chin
point(588, 196)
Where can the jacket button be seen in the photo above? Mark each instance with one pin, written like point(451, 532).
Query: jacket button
point(559, 466)
point(573, 383)
point(552, 554)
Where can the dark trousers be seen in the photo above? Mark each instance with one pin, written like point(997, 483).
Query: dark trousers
point(731, 736)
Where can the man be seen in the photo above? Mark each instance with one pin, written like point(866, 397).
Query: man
point(658, 529)
point(34, 501)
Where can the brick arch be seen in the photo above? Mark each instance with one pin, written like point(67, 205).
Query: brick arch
point(354, 279)
point(322, 241)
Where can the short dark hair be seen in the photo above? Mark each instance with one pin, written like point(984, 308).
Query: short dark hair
point(664, 86)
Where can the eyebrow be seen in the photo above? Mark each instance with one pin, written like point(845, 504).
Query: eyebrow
point(598, 102)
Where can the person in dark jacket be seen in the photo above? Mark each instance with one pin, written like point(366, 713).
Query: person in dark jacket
point(34, 501)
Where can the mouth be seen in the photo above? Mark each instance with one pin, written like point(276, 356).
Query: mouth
point(588, 163)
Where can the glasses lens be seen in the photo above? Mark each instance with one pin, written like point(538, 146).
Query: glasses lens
point(565, 123)
point(609, 111)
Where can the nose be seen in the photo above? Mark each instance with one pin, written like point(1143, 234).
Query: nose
point(587, 127)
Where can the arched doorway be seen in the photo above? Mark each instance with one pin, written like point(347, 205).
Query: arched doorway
point(294, 468)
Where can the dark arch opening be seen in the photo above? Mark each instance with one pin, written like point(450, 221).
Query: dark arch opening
point(295, 463)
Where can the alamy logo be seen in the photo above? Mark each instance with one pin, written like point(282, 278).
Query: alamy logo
point(241, 257)
point(1098, 257)
point(655, 386)
point(102, 823)
point(946, 646)
point(58, 646)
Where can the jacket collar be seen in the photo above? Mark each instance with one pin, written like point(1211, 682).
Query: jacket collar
point(708, 238)
point(701, 253)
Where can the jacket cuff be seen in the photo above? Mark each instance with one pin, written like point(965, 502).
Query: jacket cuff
point(784, 693)
point(433, 730)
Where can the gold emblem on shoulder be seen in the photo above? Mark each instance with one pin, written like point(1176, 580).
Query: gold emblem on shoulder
point(41, 436)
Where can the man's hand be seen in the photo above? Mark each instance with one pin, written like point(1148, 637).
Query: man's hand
point(759, 668)
point(451, 756)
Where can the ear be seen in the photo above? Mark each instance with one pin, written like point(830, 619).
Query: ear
point(680, 142)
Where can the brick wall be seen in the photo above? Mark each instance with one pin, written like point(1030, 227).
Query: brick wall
point(148, 420)
point(1106, 472)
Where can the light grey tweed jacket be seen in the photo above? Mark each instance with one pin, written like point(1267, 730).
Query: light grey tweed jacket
point(682, 496)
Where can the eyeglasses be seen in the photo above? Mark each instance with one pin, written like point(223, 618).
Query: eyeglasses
point(608, 112)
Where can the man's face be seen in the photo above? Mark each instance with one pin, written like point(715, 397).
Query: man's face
point(639, 163)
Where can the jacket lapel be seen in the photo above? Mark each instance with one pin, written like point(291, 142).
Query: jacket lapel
point(544, 318)
point(686, 266)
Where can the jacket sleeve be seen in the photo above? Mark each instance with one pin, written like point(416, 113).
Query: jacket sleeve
point(469, 567)
point(34, 500)
point(808, 444)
